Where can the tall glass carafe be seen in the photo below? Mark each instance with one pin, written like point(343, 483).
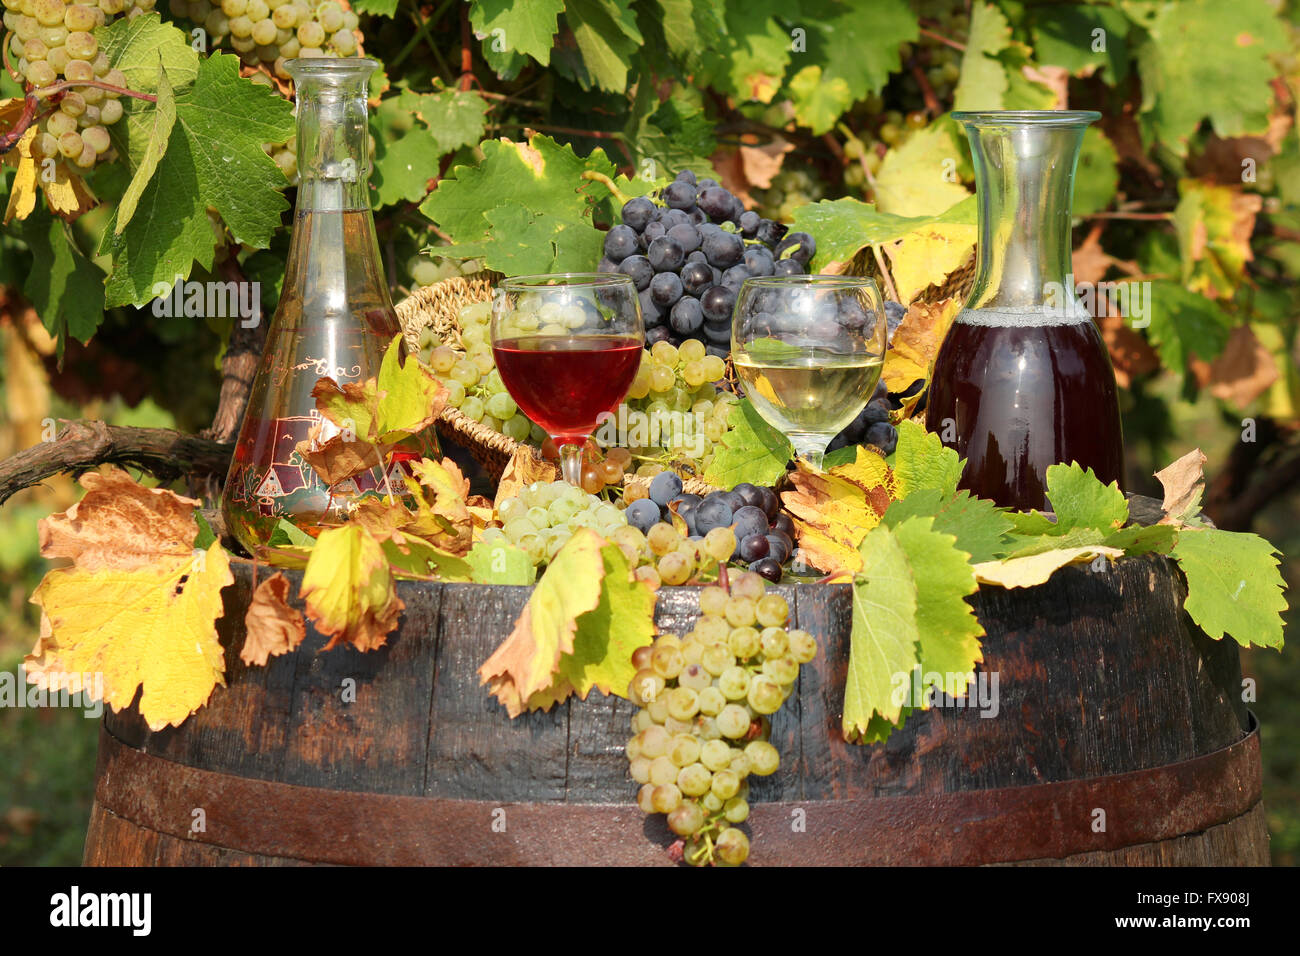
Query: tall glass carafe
point(1023, 379)
point(334, 319)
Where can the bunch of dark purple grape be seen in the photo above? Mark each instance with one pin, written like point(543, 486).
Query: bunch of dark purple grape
point(872, 426)
point(689, 256)
point(763, 534)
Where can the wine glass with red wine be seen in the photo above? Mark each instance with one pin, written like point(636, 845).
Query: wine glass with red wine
point(568, 347)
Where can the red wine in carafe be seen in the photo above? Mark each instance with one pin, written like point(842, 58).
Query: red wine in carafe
point(1015, 391)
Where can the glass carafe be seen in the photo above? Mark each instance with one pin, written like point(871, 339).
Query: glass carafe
point(1023, 379)
point(335, 319)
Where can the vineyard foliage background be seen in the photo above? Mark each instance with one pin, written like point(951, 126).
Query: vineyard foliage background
point(1191, 182)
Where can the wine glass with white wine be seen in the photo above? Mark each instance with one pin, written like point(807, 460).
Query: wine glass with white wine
point(808, 350)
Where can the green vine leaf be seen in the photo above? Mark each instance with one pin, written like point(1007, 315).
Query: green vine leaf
point(752, 450)
point(526, 28)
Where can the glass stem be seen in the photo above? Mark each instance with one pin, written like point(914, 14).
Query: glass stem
point(811, 448)
point(571, 463)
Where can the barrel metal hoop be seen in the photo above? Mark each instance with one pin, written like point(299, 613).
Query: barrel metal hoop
point(1042, 821)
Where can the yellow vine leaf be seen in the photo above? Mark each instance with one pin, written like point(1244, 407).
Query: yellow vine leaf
point(527, 662)
point(271, 626)
point(916, 344)
point(927, 256)
point(447, 522)
point(524, 467)
point(1035, 569)
point(65, 192)
point(834, 510)
point(348, 589)
point(153, 625)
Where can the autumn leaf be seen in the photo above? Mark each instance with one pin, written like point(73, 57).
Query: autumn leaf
point(1241, 373)
point(524, 467)
point(65, 192)
point(916, 344)
point(348, 589)
point(447, 522)
point(1035, 569)
point(1184, 483)
point(621, 621)
point(526, 663)
point(1214, 226)
point(340, 458)
point(271, 626)
point(120, 524)
point(150, 626)
point(927, 255)
point(834, 510)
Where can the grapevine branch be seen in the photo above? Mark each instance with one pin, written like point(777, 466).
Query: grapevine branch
point(238, 366)
point(81, 445)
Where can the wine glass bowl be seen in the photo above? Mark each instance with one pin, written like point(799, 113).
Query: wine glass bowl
point(567, 348)
point(808, 351)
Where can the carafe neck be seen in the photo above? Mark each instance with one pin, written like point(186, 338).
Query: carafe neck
point(1024, 178)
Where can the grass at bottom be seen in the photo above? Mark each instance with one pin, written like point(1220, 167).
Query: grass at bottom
point(47, 778)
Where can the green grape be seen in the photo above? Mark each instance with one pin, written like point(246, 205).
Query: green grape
point(467, 373)
point(732, 847)
point(715, 755)
point(763, 757)
point(48, 12)
point(711, 701)
point(443, 359)
point(774, 642)
point(81, 45)
point(802, 645)
point(667, 661)
point(716, 659)
point(772, 610)
point(96, 137)
point(661, 377)
point(40, 74)
point(666, 797)
point(59, 123)
point(744, 642)
point(686, 819)
point(110, 112)
point(693, 675)
point(70, 145)
point(639, 769)
point(734, 683)
point(736, 810)
point(713, 599)
point(503, 406)
point(683, 703)
point(726, 783)
point(748, 585)
point(783, 670)
point(720, 543)
point(765, 695)
point(73, 103)
point(733, 721)
point(740, 611)
point(663, 771)
point(264, 32)
point(311, 35)
point(645, 798)
point(684, 750)
point(674, 568)
point(663, 539)
point(472, 407)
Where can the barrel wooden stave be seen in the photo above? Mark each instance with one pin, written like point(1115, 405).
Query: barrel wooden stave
point(1088, 687)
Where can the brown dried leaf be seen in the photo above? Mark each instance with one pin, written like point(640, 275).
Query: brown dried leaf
point(834, 510)
point(760, 163)
point(1130, 353)
point(916, 345)
point(271, 626)
point(524, 467)
point(1055, 78)
point(339, 459)
point(1243, 371)
point(1184, 483)
point(120, 524)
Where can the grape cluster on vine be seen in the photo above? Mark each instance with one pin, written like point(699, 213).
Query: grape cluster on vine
point(274, 31)
point(54, 44)
point(689, 256)
point(703, 726)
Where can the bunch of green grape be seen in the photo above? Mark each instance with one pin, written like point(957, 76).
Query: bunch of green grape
point(703, 724)
point(428, 269)
point(473, 383)
point(274, 31)
point(674, 382)
point(544, 516)
point(792, 188)
point(52, 42)
point(664, 556)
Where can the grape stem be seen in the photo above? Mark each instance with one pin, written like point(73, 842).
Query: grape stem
point(940, 37)
point(4, 50)
point(25, 120)
point(618, 194)
point(884, 273)
point(927, 91)
point(48, 91)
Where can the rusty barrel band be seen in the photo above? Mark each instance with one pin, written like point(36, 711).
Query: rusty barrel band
point(1040, 821)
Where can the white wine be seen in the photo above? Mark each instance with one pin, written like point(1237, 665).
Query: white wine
point(814, 392)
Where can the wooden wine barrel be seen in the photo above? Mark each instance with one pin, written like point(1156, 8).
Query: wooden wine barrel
point(1120, 738)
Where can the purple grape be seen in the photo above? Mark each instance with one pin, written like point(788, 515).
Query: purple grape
point(753, 548)
point(788, 267)
point(685, 176)
point(748, 521)
point(679, 195)
point(607, 266)
point(748, 492)
point(884, 436)
point(749, 223)
point(660, 333)
point(666, 254)
point(769, 502)
point(638, 212)
point(651, 314)
point(779, 547)
point(638, 269)
point(759, 261)
point(686, 316)
point(686, 236)
point(643, 514)
point(715, 201)
point(651, 232)
point(712, 512)
point(723, 249)
point(620, 242)
point(783, 524)
point(767, 568)
point(717, 303)
point(803, 247)
point(696, 278)
point(665, 289)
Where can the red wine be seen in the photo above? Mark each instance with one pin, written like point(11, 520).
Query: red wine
point(564, 382)
point(1014, 393)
